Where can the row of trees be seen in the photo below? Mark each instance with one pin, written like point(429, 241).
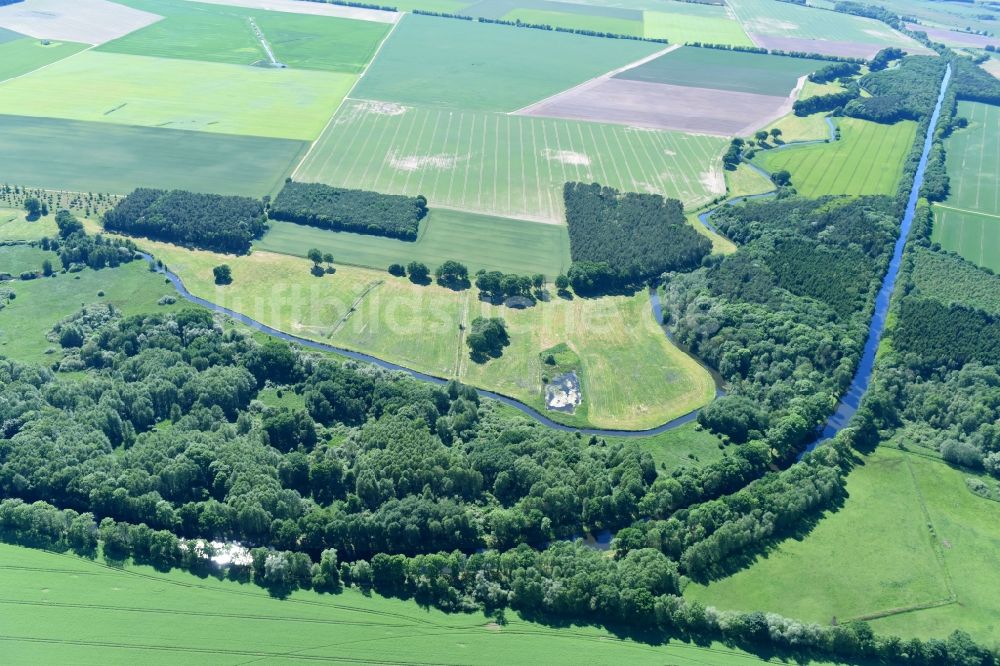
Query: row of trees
point(834, 71)
point(340, 209)
point(206, 221)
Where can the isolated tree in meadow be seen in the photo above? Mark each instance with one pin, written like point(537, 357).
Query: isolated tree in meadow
point(775, 133)
point(452, 274)
point(327, 258)
point(34, 207)
point(419, 273)
point(781, 178)
point(397, 269)
point(46, 268)
point(562, 282)
point(315, 256)
point(223, 274)
point(486, 339)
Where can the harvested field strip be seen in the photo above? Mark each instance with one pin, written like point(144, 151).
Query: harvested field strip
point(179, 94)
point(504, 165)
point(100, 157)
point(479, 241)
point(85, 21)
point(868, 159)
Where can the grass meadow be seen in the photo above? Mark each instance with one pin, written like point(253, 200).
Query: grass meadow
point(101, 157)
point(222, 33)
point(968, 222)
point(15, 226)
point(744, 181)
point(688, 445)
point(725, 70)
point(17, 259)
point(479, 241)
point(632, 376)
point(20, 56)
point(868, 159)
point(56, 600)
point(487, 67)
point(179, 94)
point(501, 164)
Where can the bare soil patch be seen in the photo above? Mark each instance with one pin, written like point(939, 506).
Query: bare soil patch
point(663, 106)
point(313, 8)
point(566, 157)
point(84, 21)
point(417, 162)
point(382, 108)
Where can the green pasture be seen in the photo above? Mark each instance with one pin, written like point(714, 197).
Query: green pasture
point(14, 225)
point(868, 159)
point(471, 65)
point(783, 19)
point(9, 35)
point(724, 70)
point(873, 555)
point(744, 180)
point(679, 26)
point(42, 302)
point(950, 280)
point(802, 128)
point(975, 236)
point(147, 616)
point(501, 164)
point(17, 259)
point(100, 157)
point(632, 376)
point(686, 446)
point(179, 94)
point(479, 241)
point(222, 33)
point(20, 56)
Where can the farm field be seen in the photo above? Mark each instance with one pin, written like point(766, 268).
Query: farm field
point(724, 70)
point(15, 226)
point(839, 569)
point(101, 157)
point(468, 65)
point(501, 164)
point(968, 221)
point(42, 302)
point(20, 56)
point(868, 159)
point(223, 33)
point(87, 21)
point(479, 241)
point(179, 94)
point(156, 617)
point(312, 8)
point(710, 24)
point(620, 26)
point(782, 25)
point(632, 376)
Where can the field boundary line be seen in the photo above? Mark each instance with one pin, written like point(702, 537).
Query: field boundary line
point(935, 546)
point(55, 62)
point(590, 83)
point(345, 98)
point(781, 111)
point(966, 210)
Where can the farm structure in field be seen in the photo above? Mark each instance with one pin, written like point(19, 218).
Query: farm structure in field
point(85, 21)
point(101, 157)
point(180, 94)
point(468, 65)
point(968, 221)
point(689, 89)
point(479, 241)
point(868, 159)
point(224, 33)
point(502, 164)
point(773, 24)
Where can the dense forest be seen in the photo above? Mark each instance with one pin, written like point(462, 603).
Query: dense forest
point(831, 102)
point(635, 236)
point(359, 211)
point(206, 221)
point(907, 92)
point(834, 71)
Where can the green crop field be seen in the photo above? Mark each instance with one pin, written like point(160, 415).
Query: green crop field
point(632, 376)
point(725, 70)
point(179, 94)
point(868, 159)
point(479, 241)
point(968, 222)
point(56, 600)
point(469, 65)
point(222, 33)
point(713, 25)
point(42, 302)
point(503, 164)
point(877, 555)
point(20, 56)
point(99, 157)
point(783, 19)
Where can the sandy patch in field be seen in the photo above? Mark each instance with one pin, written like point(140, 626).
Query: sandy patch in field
point(566, 157)
point(639, 104)
point(417, 162)
point(313, 8)
point(85, 21)
point(713, 180)
point(768, 25)
point(382, 108)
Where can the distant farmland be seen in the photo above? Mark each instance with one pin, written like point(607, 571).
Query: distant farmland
point(968, 222)
point(505, 165)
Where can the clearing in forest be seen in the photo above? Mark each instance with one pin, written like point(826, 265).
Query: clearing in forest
point(968, 221)
point(868, 159)
point(471, 65)
point(502, 164)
